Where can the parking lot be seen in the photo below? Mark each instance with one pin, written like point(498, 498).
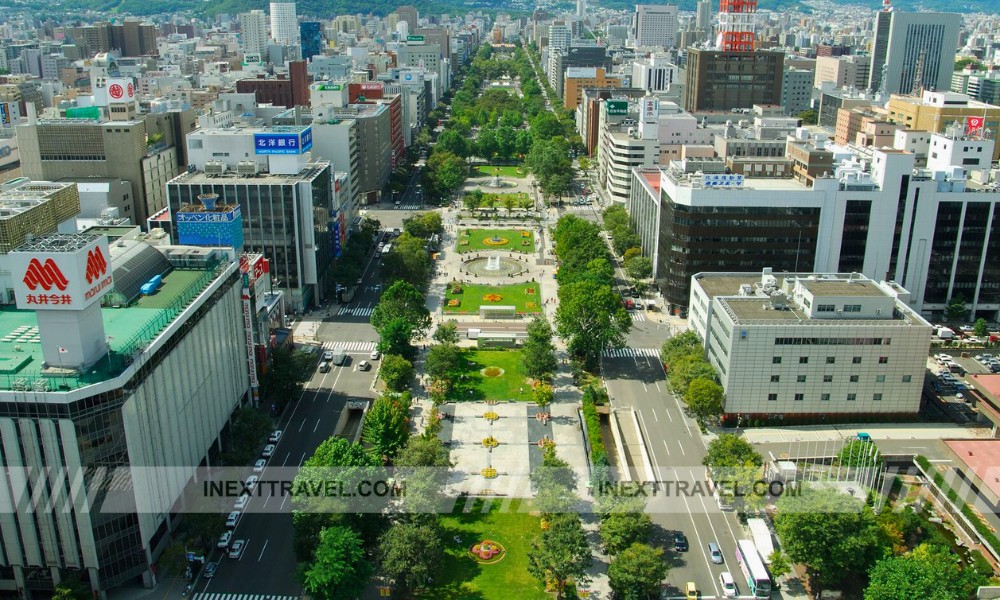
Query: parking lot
point(947, 379)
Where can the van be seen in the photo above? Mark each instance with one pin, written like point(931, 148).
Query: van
point(339, 356)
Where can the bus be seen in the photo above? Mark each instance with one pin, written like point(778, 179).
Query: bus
point(753, 569)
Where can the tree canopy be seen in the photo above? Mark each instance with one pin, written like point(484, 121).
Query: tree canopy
point(339, 570)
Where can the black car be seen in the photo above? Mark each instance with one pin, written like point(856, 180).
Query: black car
point(680, 542)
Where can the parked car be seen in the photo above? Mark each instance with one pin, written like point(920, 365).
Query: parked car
point(241, 502)
point(259, 465)
point(680, 542)
point(328, 355)
point(210, 570)
point(375, 355)
point(233, 519)
point(268, 451)
point(275, 436)
point(225, 539)
point(236, 550)
point(251, 482)
point(364, 365)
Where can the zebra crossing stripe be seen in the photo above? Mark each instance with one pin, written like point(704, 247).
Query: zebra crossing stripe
point(632, 353)
point(217, 596)
point(350, 346)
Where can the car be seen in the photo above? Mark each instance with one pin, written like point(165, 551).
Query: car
point(210, 570)
point(728, 585)
point(328, 355)
point(715, 553)
point(691, 591)
point(233, 519)
point(275, 436)
point(251, 482)
point(236, 550)
point(375, 355)
point(364, 365)
point(268, 451)
point(241, 502)
point(324, 367)
point(225, 539)
point(259, 465)
point(967, 328)
point(634, 293)
point(680, 542)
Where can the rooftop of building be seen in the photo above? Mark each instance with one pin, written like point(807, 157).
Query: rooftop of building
point(310, 171)
point(25, 196)
point(57, 242)
point(848, 288)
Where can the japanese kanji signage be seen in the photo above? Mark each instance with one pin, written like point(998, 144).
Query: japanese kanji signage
point(62, 280)
point(291, 142)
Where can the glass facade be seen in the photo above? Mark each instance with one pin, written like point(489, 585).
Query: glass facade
point(854, 239)
point(939, 268)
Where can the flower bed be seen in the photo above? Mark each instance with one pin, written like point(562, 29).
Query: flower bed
point(496, 241)
point(492, 372)
point(454, 303)
point(489, 473)
point(490, 442)
point(488, 552)
point(530, 291)
point(492, 297)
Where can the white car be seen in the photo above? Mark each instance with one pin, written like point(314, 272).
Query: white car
point(268, 451)
point(375, 355)
point(328, 355)
point(236, 550)
point(224, 539)
point(728, 585)
point(259, 465)
point(275, 436)
point(233, 519)
point(251, 482)
point(241, 502)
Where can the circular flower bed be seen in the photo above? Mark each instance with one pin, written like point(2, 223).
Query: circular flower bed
point(492, 297)
point(525, 242)
point(491, 442)
point(545, 443)
point(495, 241)
point(492, 372)
point(488, 552)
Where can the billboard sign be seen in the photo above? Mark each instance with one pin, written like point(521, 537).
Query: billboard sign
point(9, 114)
point(62, 280)
point(973, 124)
point(328, 87)
point(650, 110)
point(121, 89)
point(415, 38)
point(280, 142)
point(251, 59)
point(722, 180)
point(367, 87)
point(616, 107)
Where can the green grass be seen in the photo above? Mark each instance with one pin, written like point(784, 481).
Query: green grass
point(476, 239)
point(521, 200)
point(472, 385)
point(461, 577)
point(487, 171)
point(471, 297)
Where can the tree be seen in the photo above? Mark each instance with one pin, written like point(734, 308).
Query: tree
point(411, 554)
point(561, 553)
point(543, 395)
point(285, 379)
point(926, 572)
point(704, 398)
point(809, 117)
point(339, 570)
point(639, 267)
point(443, 361)
point(409, 261)
point(72, 588)
point(248, 427)
point(619, 530)
point(555, 484)
point(402, 300)
point(679, 346)
point(730, 450)
point(421, 451)
point(453, 142)
point(778, 565)
point(631, 253)
point(956, 309)
point(396, 371)
point(446, 333)
point(395, 338)
point(834, 535)
point(686, 369)
point(591, 318)
point(980, 328)
point(473, 200)
point(857, 453)
point(446, 171)
point(509, 203)
point(638, 572)
point(538, 351)
point(424, 225)
point(387, 424)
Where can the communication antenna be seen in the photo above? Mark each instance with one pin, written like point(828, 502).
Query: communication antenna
point(918, 76)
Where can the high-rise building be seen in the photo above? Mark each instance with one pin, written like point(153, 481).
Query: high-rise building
point(796, 90)
point(253, 32)
point(136, 38)
point(719, 80)
point(937, 111)
point(655, 25)
point(409, 15)
point(915, 51)
point(843, 71)
point(311, 35)
point(703, 18)
point(288, 91)
point(559, 36)
point(579, 78)
point(581, 8)
point(284, 24)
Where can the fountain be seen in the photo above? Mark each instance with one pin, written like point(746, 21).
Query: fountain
point(496, 182)
point(493, 263)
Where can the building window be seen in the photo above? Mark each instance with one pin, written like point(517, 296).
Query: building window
point(852, 308)
point(907, 378)
point(880, 379)
point(824, 397)
point(801, 379)
point(800, 396)
point(856, 360)
point(772, 397)
point(854, 378)
point(825, 308)
point(803, 360)
point(828, 379)
point(775, 378)
point(883, 360)
point(877, 397)
point(852, 397)
point(831, 360)
point(775, 360)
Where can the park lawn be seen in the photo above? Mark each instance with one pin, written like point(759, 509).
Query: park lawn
point(473, 385)
point(471, 297)
point(521, 200)
point(461, 577)
point(507, 171)
point(476, 239)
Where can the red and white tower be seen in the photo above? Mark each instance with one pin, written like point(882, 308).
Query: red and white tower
point(736, 25)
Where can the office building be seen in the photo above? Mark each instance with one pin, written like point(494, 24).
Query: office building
point(579, 78)
point(798, 346)
point(703, 17)
point(289, 90)
point(286, 200)
point(628, 138)
point(908, 45)
point(655, 26)
point(408, 14)
point(589, 112)
point(253, 32)
point(719, 81)
point(657, 73)
point(984, 87)
point(936, 111)
point(134, 38)
point(796, 90)
point(843, 71)
point(576, 56)
point(284, 24)
point(374, 135)
point(311, 34)
point(101, 367)
point(560, 36)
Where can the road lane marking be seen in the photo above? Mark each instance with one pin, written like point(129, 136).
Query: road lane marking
point(668, 415)
point(657, 383)
point(302, 460)
point(665, 447)
point(246, 544)
point(262, 550)
point(287, 456)
point(653, 410)
point(317, 426)
point(302, 425)
point(682, 447)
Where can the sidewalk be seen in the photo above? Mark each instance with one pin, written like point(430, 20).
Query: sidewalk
point(887, 431)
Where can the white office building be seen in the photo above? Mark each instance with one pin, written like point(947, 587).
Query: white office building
point(810, 345)
point(253, 32)
point(284, 24)
point(655, 26)
point(909, 45)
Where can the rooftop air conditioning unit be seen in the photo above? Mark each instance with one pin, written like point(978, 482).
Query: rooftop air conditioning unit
point(247, 167)
point(215, 167)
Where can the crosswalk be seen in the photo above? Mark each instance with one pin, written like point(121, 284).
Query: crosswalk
point(355, 312)
point(209, 596)
point(632, 353)
point(350, 346)
point(407, 207)
point(637, 315)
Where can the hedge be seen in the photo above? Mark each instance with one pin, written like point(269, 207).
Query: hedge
point(598, 453)
point(952, 495)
